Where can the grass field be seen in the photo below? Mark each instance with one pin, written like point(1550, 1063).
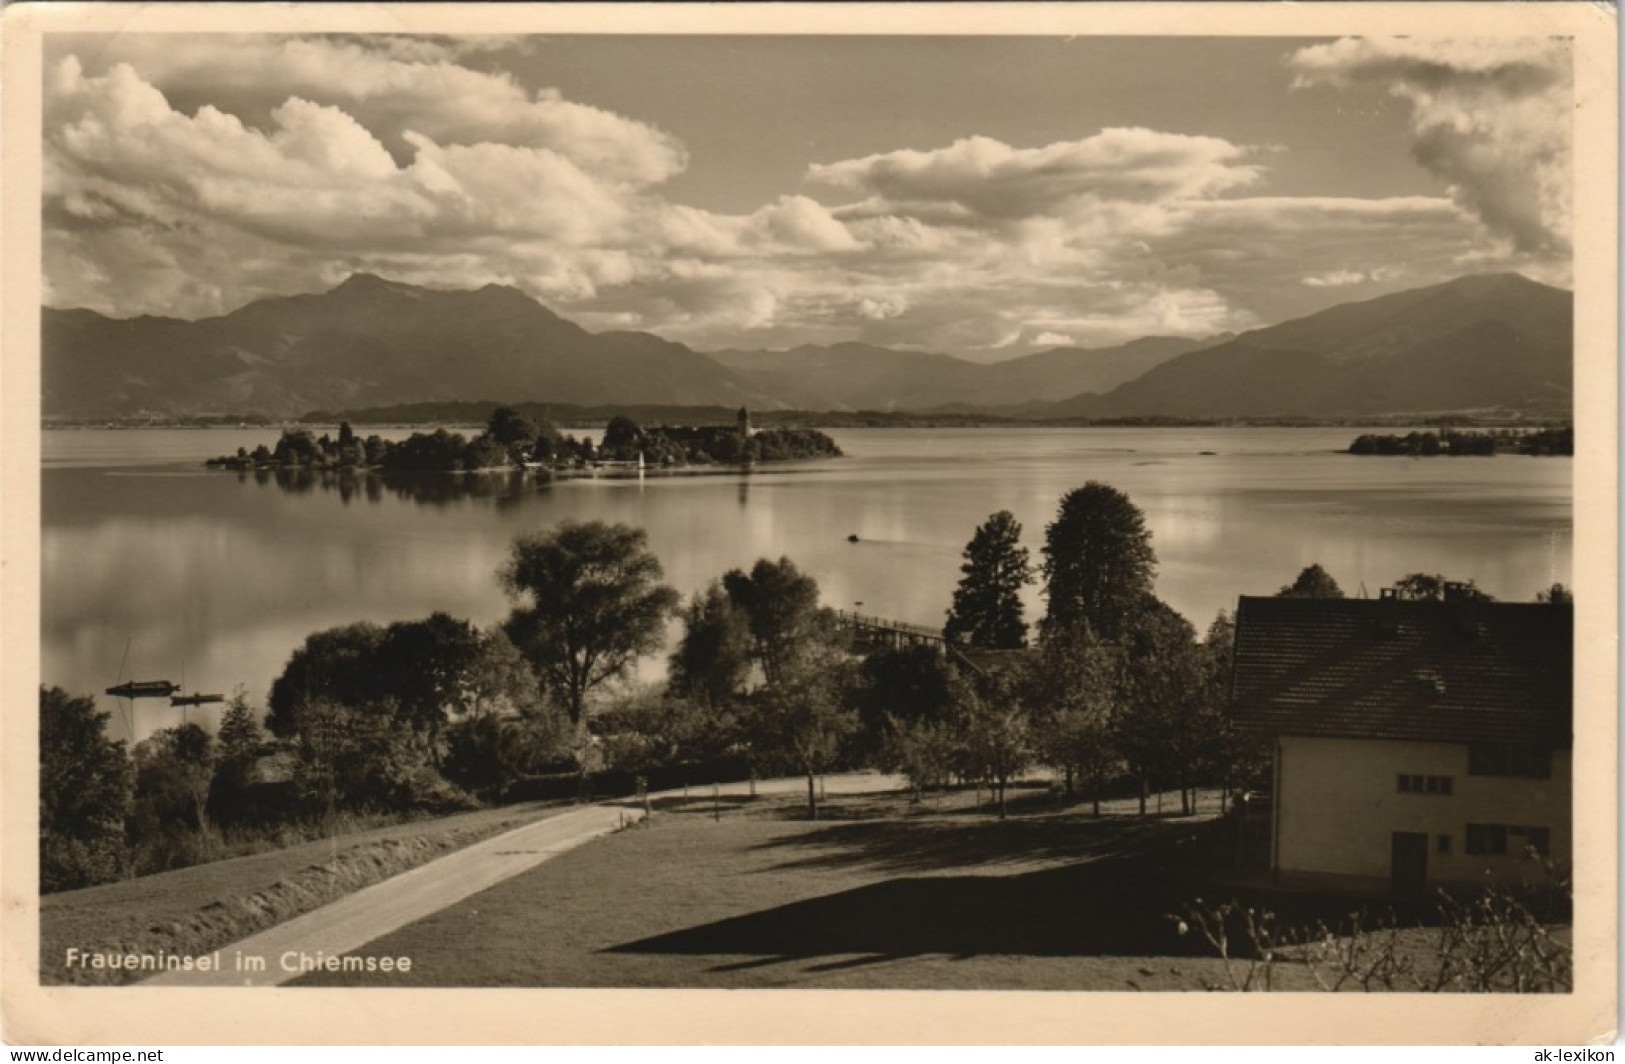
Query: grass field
point(195, 909)
point(883, 894)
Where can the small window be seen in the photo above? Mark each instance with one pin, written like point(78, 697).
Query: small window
point(1486, 838)
point(1525, 762)
point(1444, 845)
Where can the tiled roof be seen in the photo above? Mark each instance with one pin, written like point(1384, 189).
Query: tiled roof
point(1389, 669)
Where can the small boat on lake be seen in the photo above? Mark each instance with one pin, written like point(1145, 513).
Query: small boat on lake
point(144, 689)
point(195, 699)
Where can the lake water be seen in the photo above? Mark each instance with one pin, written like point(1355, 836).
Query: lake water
point(211, 579)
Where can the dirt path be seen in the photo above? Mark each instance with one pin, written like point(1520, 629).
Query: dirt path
point(272, 957)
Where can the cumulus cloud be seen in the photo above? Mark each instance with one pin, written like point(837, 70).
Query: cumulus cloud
point(392, 84)
point(1491, 117)
point(982, 177)
point(188, 175)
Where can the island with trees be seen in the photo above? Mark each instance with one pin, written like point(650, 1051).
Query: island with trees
point(512, 441)
point(1548, 441)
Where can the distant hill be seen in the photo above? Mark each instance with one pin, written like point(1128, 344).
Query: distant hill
point(1485, 342)
point(853, 376)
point(366, 342)
point(1490, 342)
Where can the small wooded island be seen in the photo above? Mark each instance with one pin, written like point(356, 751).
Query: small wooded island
point(1551, 441)
point(512, 441)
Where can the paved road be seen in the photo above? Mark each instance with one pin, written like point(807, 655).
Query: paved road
point(351, 922)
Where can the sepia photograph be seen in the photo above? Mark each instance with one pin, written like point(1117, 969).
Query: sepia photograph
point(1052, 505)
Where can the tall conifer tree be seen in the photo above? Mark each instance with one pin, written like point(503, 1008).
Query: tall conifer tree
point(987, 609)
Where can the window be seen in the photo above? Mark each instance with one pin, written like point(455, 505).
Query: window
point(1507, 838)
point(1444, 845)
point(1524, 762)
point(1414, 784)
point(1486, 838)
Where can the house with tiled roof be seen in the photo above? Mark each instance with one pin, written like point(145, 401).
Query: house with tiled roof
point(1415, 744)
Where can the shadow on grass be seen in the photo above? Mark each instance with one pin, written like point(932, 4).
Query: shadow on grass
point(919, 845)
point(1104, 908)
point(1115, 904)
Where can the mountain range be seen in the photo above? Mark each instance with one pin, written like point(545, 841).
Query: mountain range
point(1488, 341)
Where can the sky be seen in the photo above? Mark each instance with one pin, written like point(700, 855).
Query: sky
point(980, 196)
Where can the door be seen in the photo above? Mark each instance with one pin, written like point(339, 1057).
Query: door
point(1410, 864)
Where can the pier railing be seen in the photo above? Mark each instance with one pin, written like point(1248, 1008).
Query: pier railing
point(868, 625)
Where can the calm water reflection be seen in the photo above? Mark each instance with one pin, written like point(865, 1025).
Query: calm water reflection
point(212, 578)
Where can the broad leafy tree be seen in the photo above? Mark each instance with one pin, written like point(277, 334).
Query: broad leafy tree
point(591, 603)
point(175, 768)
point(712, 661)
point(1074, 687)
point(1163, 685)
point(1098, 562)
point(1436, 587)
point(1557, 594)
point(337, 665)
point(899, 688)
point(780, 604)
point(489, 751)
point(85, 787)
point(987, 607)
point(510, 428)
point(802, 718)
point(1313, 583)
point(430, 667)
point(997, 734)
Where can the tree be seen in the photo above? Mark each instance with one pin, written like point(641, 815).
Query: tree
point(712, 660)
point(336, 665)
point(429, 667)
point(1557, 595)
point(511, 429)
point(645, 731)
point(902, 691)
point(802, 717)
point(622, 438)
point(487, 752)
point(1162, 687)
point(85, 787)
point(781, 609)
point(1312, 583)
point(239, 736)
point(1098, 562)
point(174, 772)
point(997, 734)
point(360, 757)
point(591, 604)
point(1436, 587)
point(1073, 687)
point(987, 607)
point(237, 744)
point(499, 681)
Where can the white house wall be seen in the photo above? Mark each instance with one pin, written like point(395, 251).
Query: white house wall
point(1338, 802)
